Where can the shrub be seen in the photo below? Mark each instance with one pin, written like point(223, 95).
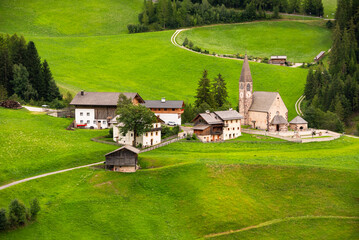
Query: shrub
point(3, 219)
point(190, 44)
point(197, 49)
point(358, 129)
point(265, 60)
point(185, 42)
point(17, 213)
point(329, 24)
point(175, 130)
point(194, 137)
point(34, 208)
point(110, 133)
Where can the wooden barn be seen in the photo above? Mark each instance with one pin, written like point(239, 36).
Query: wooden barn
point(277, 60)
point(123, 159)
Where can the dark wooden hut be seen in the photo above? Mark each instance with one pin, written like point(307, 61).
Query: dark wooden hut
point(123, 159)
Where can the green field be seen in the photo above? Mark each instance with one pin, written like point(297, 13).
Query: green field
point(330, 7)
point(300, 41)
point(68, 18)
point(34, 144)
point(187, 190)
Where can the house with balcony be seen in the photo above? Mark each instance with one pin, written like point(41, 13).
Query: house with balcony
point(167, 110)
point(217, 126)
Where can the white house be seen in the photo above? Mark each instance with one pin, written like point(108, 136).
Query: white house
point(96, 109)
point(168, 111)
point(147, 139)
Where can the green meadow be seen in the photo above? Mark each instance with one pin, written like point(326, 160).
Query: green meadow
point(187, 190)
point(330, 7)
point(300, 41)
point(32, 144)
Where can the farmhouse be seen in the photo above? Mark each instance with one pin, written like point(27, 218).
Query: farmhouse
point(261, 110)
point(217, 126)
point(277, 60)
point(123, 159)
point(147, 139)
point(96, 109)
point(168, 111)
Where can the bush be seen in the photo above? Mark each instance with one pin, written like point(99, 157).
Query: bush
point(265, 60)
point(329, 24)
point(34, 208)
point(137, 28)
point(175, 130)
point(185, 42)
point(3, 220)
point(357, 129)
point(17, 213)
point(194, 137)
point(110, 133)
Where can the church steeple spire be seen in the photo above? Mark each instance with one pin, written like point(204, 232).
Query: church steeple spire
point(246, 71)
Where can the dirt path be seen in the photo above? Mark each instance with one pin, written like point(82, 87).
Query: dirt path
point(46, 174)
point(274, 221)
point(297, 105)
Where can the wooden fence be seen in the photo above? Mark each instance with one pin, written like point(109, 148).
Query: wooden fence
point(163, 144)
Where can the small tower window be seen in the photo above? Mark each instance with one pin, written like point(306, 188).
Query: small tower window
point(248, 87)
point(242, 86)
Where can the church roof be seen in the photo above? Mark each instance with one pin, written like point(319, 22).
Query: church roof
point(262, 101)
point(228, 115)
point(298, 120)
point(279, 119)
point(246, 71)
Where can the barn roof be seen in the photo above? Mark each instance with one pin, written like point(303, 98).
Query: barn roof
point(163, 104)
point(262, 101)
point(211, 118)
point(246, 71)
point(228, 115)
point(279, 119)
point(278, 57)
point(298, 120)
point(128, 147)
point(201, 127)
point(101, 98)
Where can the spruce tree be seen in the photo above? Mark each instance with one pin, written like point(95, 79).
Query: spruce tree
point(21, 84)
point(51, 90)
point(34, 67)
point(34, 208)
point(204, 94)
point(219, 90)
point(5, 66)
point(336, 58)
point(3, 220)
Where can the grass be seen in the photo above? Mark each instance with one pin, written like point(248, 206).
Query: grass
point(330, 7)
point(254, 138)
point(68, 18)
point(32, 144)
point(300, 41)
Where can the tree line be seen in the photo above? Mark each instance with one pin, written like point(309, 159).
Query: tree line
point(18, 214)
point(333, 94)
point(170, 14)
point(22, 74)
point(210, 95)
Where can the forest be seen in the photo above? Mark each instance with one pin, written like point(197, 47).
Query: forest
point(332, 93)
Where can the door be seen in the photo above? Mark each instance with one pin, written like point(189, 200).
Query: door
point(278, 127)
point(151, 142)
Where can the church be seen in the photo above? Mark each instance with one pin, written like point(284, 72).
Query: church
point(261, 110)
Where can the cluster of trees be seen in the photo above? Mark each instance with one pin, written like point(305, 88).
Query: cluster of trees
point(22, 74)
point(333, 95)
point(18, 214)
point(168, 14)
point(211, 95)
point(314, 7)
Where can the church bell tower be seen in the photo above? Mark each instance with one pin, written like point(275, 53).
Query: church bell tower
point(245, 91)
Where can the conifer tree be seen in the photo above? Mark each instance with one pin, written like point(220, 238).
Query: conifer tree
point(17, 213)
point(21, 84)
point(49, 85)
point(204, 94)
point(220, 93)
point(3, 219)
point(5, 67)
point(34, 68)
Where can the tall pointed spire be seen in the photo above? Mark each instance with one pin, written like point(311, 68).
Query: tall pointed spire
point(246, 71)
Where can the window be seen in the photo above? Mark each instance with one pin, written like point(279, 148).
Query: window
point(242, 86)
point(131, 134)
point(146, 134)
point(151, 133)
point(81, 113)
point(81, 121)
point(94, 122)
point(157, 133)
point(233, 128)
point(104, 122)
point(165, 109)
point(88, 114)
point(228, 129)
point(173, 109)
point(248, 87)
point(237, 128)
point(88, 121)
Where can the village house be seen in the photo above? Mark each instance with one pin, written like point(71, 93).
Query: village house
point(261, 110)
point(278, 60)
point(217, 126)
point(123, 159)
point(96, 109)
point(147, 139)
point(168, 111)
point(319, 56)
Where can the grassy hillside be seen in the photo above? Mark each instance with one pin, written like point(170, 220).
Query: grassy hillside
point(299, 41)
point(68, 18)
point(34, 144)
point(201, 189)
point(149, 64)
point(330, 7)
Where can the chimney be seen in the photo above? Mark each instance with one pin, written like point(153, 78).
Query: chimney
point(163, 99)
point(82, 92)
point(230, 109)
point(207, 111)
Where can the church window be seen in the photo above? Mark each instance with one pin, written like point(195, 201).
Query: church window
point(242, 86)
point(248, 87)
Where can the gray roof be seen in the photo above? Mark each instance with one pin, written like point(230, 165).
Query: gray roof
point(320, 55)
point(165, 104)
point(279, 119)
point(128, 147)
point(228, 115)
point(211, 118)
point(262, 101)
point(298, 120)
point(100, 98)
point(246, 71)
point(278, 57)
point(201, 127)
